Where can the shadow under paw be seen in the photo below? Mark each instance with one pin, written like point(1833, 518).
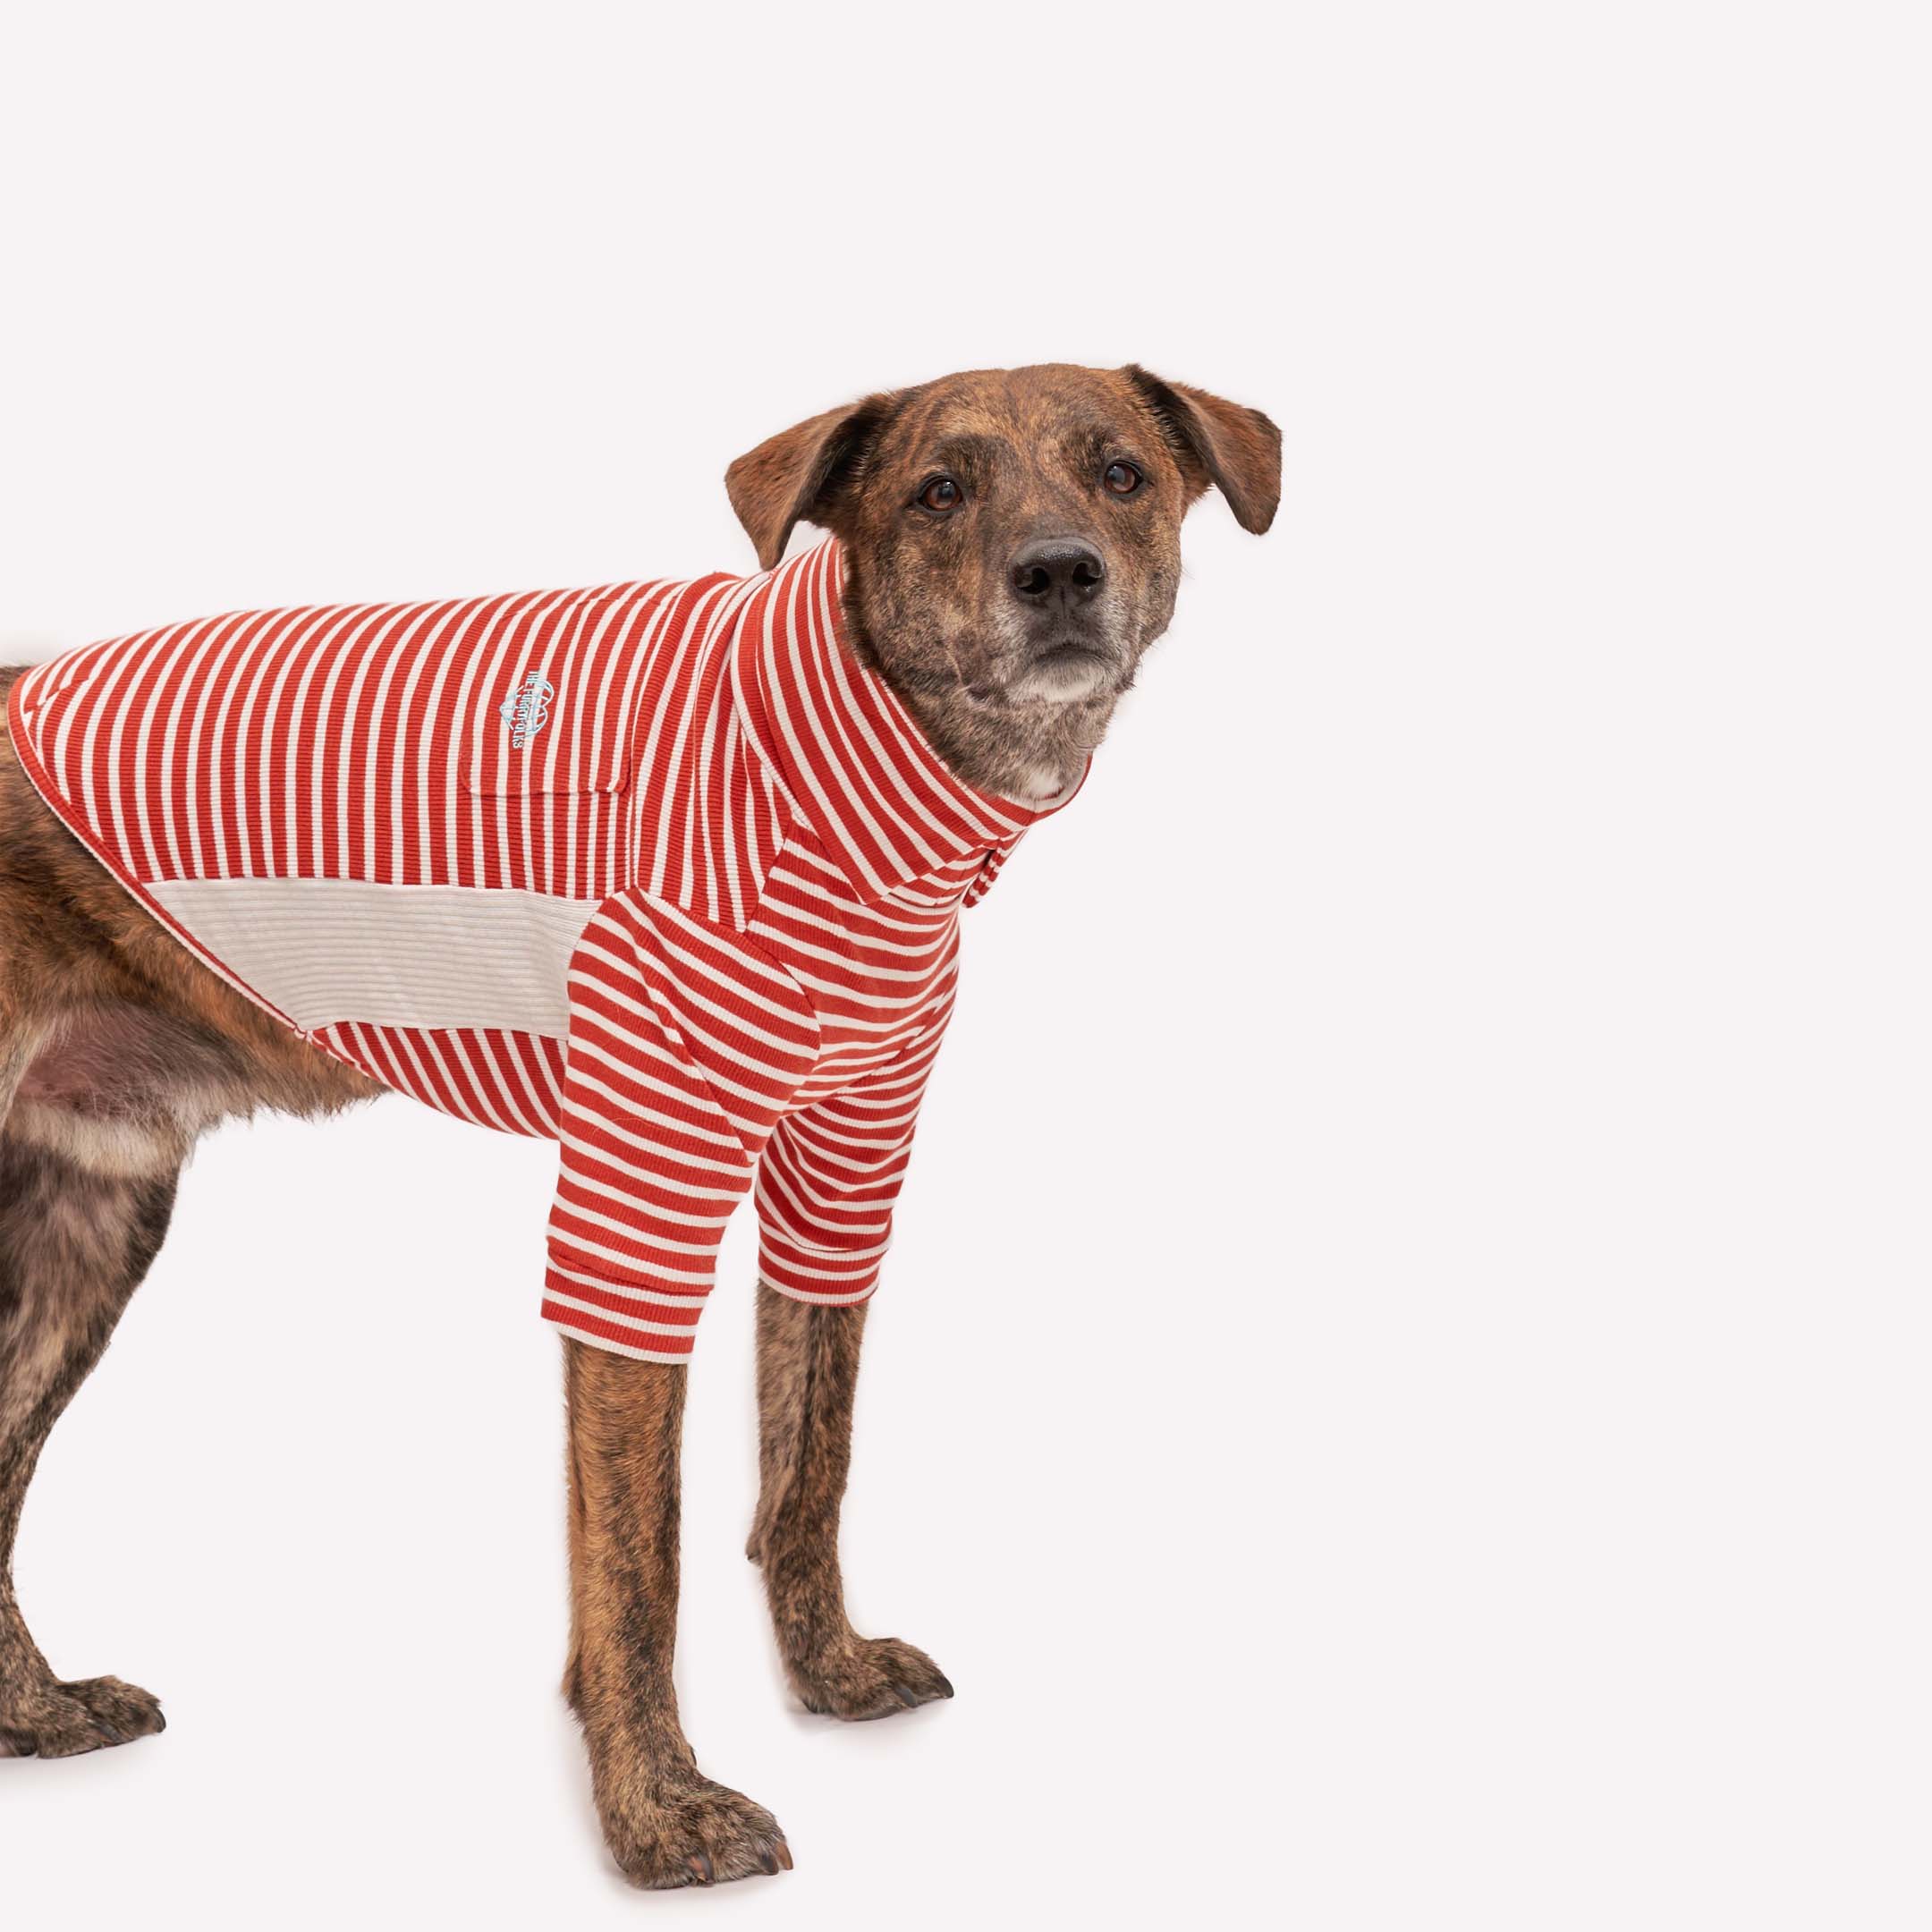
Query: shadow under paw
point(62, 1720)
point(868, 1677)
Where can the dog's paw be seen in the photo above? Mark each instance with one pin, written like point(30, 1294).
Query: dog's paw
point(691, 1832)
point(868, 1677)
point(62, 1720)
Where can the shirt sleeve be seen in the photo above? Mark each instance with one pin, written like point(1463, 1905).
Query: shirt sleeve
point(829, 1177)
point(685, 1045)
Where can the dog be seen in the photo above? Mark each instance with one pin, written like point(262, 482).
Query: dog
point(670, 872)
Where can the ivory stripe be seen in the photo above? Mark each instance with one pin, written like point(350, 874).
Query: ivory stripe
point(656, 870)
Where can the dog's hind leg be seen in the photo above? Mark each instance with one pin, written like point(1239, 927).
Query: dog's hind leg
point(76, 1238)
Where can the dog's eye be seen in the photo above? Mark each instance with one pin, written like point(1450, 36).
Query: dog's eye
point(941, 494)
point(1122, 477)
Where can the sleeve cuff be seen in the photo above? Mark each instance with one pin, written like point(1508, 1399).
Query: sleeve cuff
point(832, 1276)
point(640, 1318)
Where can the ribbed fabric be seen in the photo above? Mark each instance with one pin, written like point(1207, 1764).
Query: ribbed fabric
point(402, 955)
point(655, 869)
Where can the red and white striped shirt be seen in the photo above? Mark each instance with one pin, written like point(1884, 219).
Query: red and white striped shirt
point(655, 869)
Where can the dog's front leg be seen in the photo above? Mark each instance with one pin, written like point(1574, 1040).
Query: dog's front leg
point(808, 1368)
point(665, 1823)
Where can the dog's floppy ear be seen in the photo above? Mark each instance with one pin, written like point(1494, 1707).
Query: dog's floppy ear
point(1237, 450)
point(800, 473)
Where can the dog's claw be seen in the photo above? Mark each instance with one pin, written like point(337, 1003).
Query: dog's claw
point(65, 1720)
point(687, 1830)
point(867, 1677)
point(784, 1854)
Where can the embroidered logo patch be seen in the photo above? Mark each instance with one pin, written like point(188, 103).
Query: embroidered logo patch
point(526, 709)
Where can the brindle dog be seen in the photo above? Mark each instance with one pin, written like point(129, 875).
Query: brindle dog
point(1013, 549)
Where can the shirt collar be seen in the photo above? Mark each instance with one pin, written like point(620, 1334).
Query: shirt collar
point(853, 759)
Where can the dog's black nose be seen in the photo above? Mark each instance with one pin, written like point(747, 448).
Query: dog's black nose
point(1062, 564)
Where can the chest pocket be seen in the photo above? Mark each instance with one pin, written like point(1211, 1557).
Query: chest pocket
point(548, 729)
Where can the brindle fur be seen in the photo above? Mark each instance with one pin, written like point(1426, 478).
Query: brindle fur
point(118, 1049)
point(928, 595)
point(667, 1823)
point(807, 1371)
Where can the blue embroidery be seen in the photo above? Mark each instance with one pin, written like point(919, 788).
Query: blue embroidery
point(527, 710)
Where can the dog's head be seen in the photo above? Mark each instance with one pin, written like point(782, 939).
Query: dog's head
point(1013, 542)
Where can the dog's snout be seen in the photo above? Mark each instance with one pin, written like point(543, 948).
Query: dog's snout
point(1059, 566)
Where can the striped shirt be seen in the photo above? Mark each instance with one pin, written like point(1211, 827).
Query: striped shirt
point(655, 869)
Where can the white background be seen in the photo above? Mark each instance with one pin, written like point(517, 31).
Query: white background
point(1399, 1398)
